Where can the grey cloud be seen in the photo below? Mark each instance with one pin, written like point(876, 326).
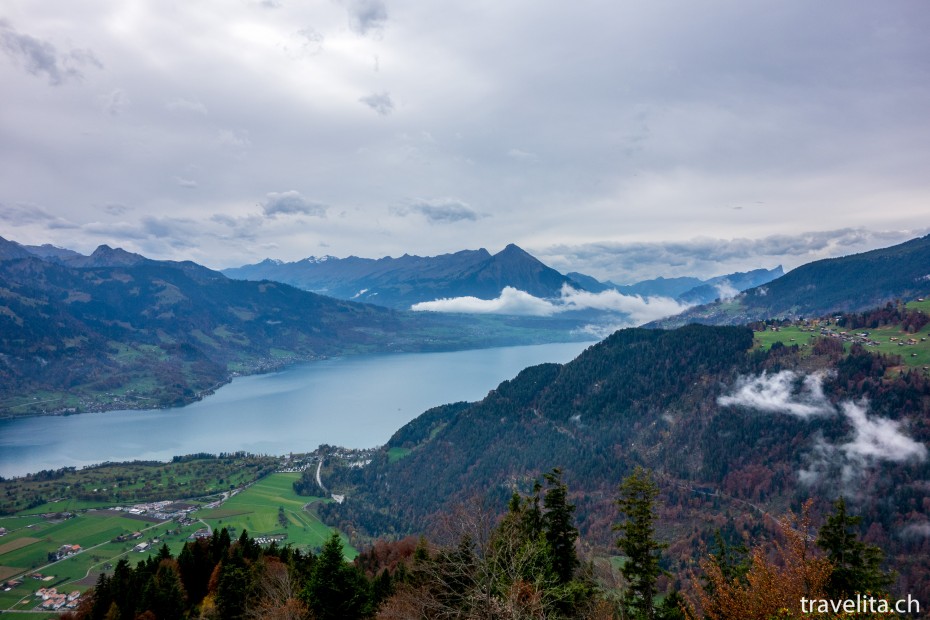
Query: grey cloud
point(878, 439)
point(291, 203)
point(634, 309)
point(178, 232)
point(188, 183)
point(236, 139)
point(171, 231)
point(379, 102)
point(366, 15)
point(511, 301)
point(23, 214)
point(115, 102)
point(116, 209)
point(304, 43)
point(42, 58)
point(310, 41)
point(239, 227)
point(705, 257)
point(222, 218)
point(873, 440)
point(114, 230)
point(521, 155)
point(186, 105)
point(783, 392)
point(443, 211)
point(921, 529)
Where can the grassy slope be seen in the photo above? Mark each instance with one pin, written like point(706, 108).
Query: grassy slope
point(256, 510)
point(912, 355)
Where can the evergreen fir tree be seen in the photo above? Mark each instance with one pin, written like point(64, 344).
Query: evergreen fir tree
point(856, 565)
point(559, 528)
point(637, 541)
point(335, 590)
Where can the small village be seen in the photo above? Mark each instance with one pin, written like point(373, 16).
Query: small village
point(53, 600)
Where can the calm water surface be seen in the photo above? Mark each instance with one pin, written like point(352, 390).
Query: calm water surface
point(356, 402)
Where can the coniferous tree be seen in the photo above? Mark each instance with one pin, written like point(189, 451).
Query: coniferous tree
point(165, 594)
point(856, 565)
point(559, 528)
point(233, 587)
point(637, 541)
point(335, 590)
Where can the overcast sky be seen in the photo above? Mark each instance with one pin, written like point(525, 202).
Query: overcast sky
point(624, 139)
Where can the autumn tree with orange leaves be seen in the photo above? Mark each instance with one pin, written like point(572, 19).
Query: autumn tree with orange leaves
point(779, 576)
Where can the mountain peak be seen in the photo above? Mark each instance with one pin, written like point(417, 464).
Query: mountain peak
point(10, 250)
point(512, 250)
point(105, 256)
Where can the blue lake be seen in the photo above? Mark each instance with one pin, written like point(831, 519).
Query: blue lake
point(355, 402)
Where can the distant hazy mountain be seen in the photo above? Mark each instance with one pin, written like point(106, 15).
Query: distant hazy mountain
point(848, 284)
point(407, 280)
point(685, 289)
point(590, 283)
point(725, 287)
point(661, 287)
point(52, 252)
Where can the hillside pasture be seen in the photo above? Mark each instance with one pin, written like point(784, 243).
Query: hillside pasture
point(259, 508)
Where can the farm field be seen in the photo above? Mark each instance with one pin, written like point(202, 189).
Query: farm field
point(263, 509)
point(25, 551)
point(787, 335)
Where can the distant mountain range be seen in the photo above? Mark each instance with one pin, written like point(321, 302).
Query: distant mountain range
point(119, 330)
point(115, 329)
point(402, 282)
point(686, 289)
point(847, 284)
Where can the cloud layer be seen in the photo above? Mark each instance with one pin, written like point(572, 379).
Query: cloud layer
point(626, 140)
point(291, 203)
point(784, 392)
point(707, 257)
point(636, 309)
point(871, 440)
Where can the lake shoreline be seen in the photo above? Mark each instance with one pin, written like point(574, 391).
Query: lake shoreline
point(259, 367)
point(356, 401)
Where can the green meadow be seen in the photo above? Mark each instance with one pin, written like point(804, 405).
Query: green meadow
point(787, 335)
point(913, 348)
point(24, 550)
point(270, 506)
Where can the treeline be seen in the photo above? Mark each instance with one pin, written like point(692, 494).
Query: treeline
point(525, 564)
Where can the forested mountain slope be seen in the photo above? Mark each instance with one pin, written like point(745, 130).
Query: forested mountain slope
point(733, 433)
point(118, 330)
